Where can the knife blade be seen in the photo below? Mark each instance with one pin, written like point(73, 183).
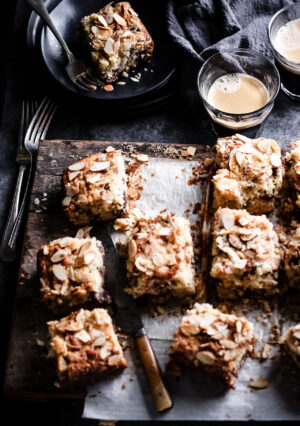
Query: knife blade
point(128, 318)
point(127, 315)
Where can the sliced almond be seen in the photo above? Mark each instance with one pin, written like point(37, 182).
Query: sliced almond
point(240, 158)
point(243, 221)
point(296, 334)
point(264, 145)
point(238, 326)
point(58, 256)
point(109, 18)
point(121, 21)
point(132, 249)
point(99, 341)
point(89, 257)
point(228, 344)
point(235, 241)
point(275, 160)
point(260, 383)
point(100, 165)
point(189, 329)
point(71, 191)
point(102, 20)
point(93, 178)
point(109, 46)
point(77, 166)
point(83, 336)
point(114, 360)
point(45, 250)
point(207, 320)
point(66, 201)
point(243, 138)
point(206, 357)
point(73, 175)
point(59, 272)
point(64, 242)
point(228, 218)
point(104, 352)
point(61, 363)
point(191, 150)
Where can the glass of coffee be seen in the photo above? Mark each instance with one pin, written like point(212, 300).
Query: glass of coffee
point(284, 35)
point(238, 87)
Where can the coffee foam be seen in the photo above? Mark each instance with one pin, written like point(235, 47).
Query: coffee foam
point(228, 83)
point(288, 36)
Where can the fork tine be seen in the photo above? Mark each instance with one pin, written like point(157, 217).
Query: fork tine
point(38, 117)
point(35, 117)
point(91, 80)
point(81, 84)
point(46, 122)
point(95, 79)
point(37, 131)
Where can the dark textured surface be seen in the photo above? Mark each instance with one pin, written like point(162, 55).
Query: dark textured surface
point(174, 123)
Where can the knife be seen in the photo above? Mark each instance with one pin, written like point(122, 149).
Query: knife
point(128, 317)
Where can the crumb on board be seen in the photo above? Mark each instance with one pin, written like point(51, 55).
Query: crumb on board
point(259, 383)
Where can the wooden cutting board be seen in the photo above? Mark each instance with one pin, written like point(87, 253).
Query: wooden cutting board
point(29, 372)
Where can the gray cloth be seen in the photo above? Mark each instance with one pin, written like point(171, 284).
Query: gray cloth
point(203, 27)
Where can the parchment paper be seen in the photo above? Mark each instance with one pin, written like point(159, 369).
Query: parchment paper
point(196, 397)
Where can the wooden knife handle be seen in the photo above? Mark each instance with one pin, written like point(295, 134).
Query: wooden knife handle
point(160, 394)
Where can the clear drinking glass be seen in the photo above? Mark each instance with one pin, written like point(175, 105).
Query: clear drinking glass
point(289, 70)
point(245, 61)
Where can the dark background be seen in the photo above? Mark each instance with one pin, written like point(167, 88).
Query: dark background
point(171, 123)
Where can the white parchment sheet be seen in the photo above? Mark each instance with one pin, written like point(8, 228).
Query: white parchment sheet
point(195, 397)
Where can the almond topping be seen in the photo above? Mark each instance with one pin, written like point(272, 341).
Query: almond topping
point(206, 357)
point(66, 201)
point(102, 20)
point(89, 257)
point(227, 218)
point(296, 334)
point(77, 166)
point(83, 336)
point(228, 344)
point(114, 359)
point(93, 178)
point(100, 165)
point(73, 175)
point(132, 249)
point(275, 160)
point(58, 256)
point(99, 341)
point(109, 46)
point(59, 272)
point(121, 21)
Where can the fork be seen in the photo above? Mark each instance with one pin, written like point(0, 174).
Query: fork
point(36, 131)
point(23, 159)
point(77, 70)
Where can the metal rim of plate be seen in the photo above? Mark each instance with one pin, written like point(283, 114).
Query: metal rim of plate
point(139, 104)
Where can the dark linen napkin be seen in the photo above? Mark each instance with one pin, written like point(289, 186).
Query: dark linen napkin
point(201, 28)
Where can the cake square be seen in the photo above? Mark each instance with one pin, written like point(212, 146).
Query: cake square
point(249, 174)
point(212, 342)
point(95, 188)
point(246, 254)
point(160, 257)
point(117, 40)
point(292, 256)
point(84, 346)
point(71, 273)
point(292, 164)
point(291, 343)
